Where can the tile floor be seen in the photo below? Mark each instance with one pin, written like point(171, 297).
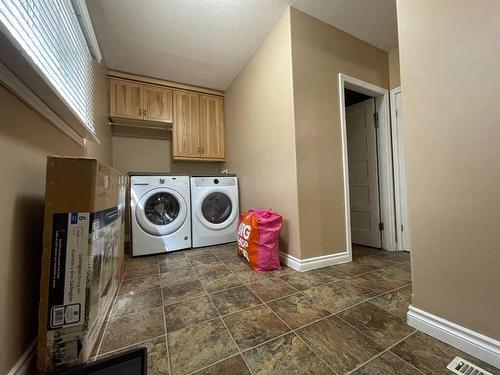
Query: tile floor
point(205, 311)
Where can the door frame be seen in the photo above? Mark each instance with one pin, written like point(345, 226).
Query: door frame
point(386, 187)
point(398, 160)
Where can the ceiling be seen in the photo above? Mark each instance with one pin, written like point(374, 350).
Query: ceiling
point(207, 42)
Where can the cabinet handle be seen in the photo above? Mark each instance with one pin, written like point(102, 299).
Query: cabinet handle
point(202, 150)
point(140, 112)
point(145, 113)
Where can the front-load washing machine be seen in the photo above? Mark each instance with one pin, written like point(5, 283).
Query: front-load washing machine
point(215, 210)
point(160, 214)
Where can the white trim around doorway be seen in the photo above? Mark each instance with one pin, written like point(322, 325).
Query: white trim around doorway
point(386, 192)
point(401, 205)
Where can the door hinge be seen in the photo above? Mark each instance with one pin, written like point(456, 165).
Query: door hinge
point(375, 119)
point(380, 226)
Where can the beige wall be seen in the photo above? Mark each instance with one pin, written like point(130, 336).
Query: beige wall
point(25, 141)
point(260, 132)
point(102, 151)
point(394, 76)
point(154, 155)
point(451, 92)
point(319, 53)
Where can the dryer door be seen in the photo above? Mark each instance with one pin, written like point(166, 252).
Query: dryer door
point(217, 208)
point(161, 211)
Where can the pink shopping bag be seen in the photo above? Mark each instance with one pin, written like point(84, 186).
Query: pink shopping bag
point(258, 239)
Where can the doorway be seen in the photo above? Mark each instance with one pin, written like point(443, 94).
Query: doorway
point(367, 164)
point(362, 157)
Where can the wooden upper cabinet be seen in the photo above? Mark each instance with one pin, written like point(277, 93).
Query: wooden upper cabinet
point(125, 99)
point(211, 127)
point(133, 100)
point(186, 126)
point(146, 107)
point(157, 103)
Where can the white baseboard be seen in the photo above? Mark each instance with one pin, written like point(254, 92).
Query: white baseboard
point(483, 347)
point(26, 363)
point(308, 264)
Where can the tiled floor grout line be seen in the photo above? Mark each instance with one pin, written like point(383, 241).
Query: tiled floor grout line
point(314, 351)
point(223, 322)
point(131, 345)
point(372, 340)
point(195, 324)
point(359, 274)
point(135, 313)
point(267, 341)
point(174, 283)
point(373, 297)
point(213, 364)
point(248, 287)
point(136, 293)
point(357, 330)
point(111, 311)
point(241, 352)
point(300, 338)
point(166, 341)
point(164, 319)
point(404, 360)
point(140, 277)
point(383, 294)
point(382, 352)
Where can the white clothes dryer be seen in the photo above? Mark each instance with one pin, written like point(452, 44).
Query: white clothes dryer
point(215, 210)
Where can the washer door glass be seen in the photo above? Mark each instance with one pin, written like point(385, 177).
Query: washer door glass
point(216, 208)
point(161, 208)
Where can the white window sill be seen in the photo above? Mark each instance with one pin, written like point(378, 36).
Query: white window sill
point(19, 77)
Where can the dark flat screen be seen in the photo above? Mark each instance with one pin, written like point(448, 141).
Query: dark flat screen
point(132, 362)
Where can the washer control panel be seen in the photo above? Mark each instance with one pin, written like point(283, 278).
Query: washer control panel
point(160, 180)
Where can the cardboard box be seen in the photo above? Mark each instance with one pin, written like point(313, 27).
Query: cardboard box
point(82, 260)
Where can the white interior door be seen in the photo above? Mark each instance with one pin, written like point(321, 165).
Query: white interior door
point(363, 173)
point(404, 229)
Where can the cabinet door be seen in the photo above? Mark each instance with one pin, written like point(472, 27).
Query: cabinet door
point(212, 127)
point(125, 99)
point(157, 103)
point(186, 126)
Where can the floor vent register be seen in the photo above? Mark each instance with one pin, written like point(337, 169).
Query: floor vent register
point(461, 366)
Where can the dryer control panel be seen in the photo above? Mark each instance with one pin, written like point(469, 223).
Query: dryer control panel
point(213, 181)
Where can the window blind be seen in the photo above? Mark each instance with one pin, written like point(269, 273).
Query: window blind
point(49, 33)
